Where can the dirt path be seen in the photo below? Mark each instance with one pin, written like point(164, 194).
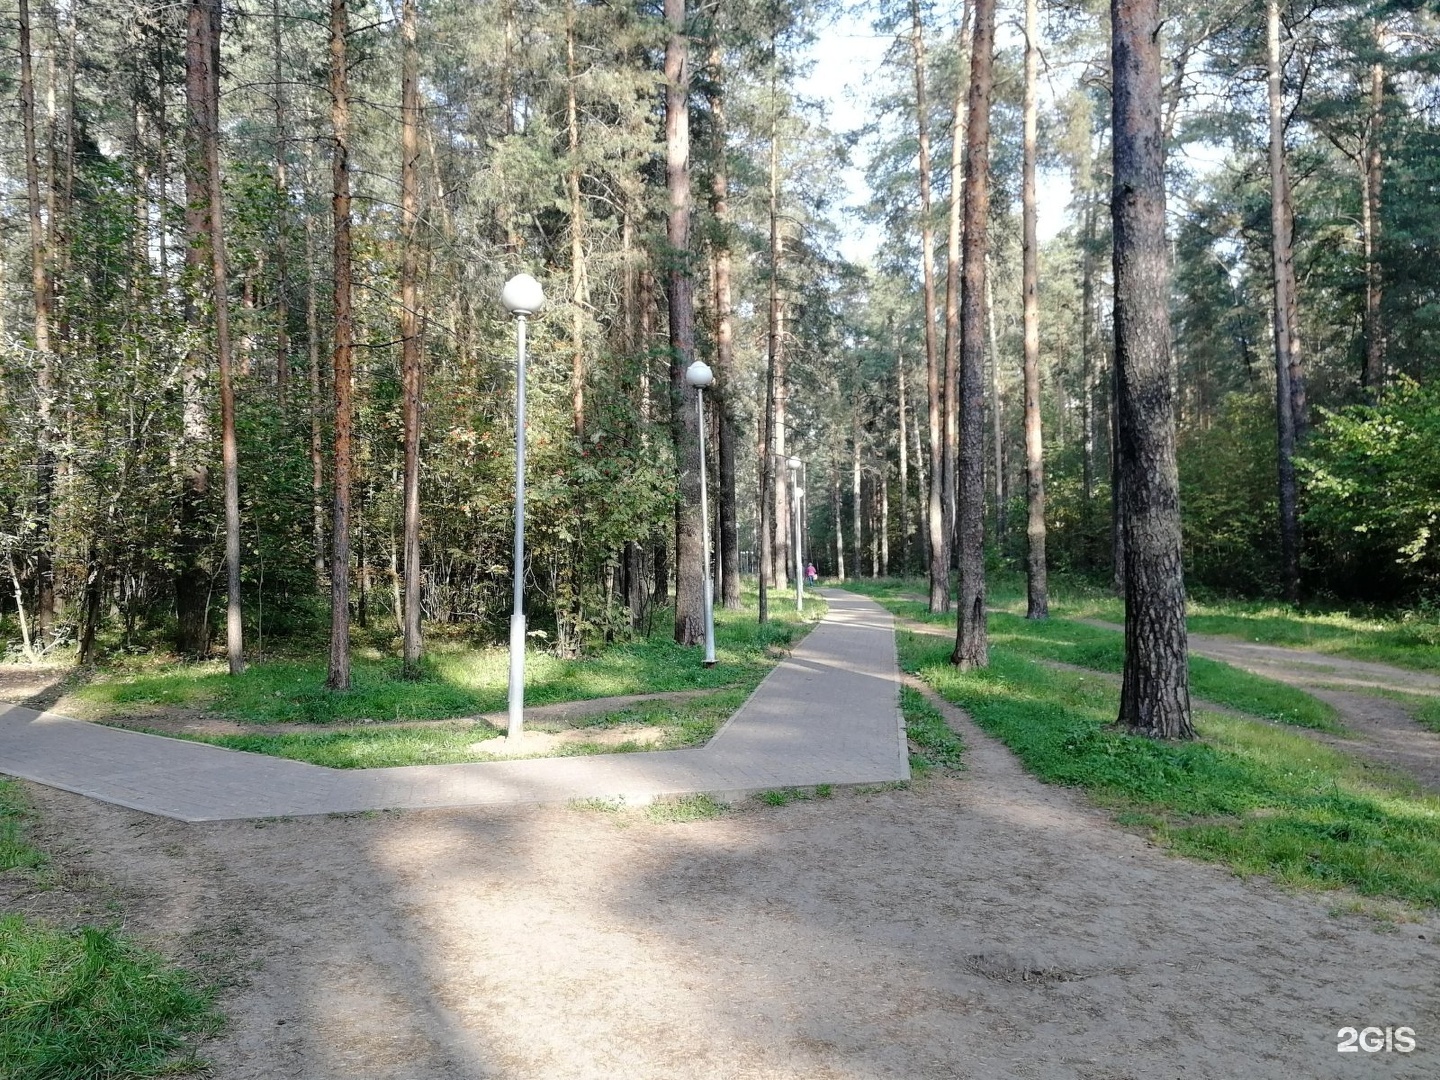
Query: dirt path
point(1386, 732)
point(980, 926)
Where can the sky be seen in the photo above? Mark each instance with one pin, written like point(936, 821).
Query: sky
point(846, 59)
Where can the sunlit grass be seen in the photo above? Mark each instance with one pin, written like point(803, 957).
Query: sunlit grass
point(687, 723)
point(1408, 640)
point(16, 852)
point(457, 681)
point(1258, 798)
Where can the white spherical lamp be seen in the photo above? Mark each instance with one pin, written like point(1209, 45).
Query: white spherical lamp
point(793, 463)
point(699, 375)
point(522, 295)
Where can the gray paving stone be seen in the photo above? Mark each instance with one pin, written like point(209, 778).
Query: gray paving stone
point(828, 714)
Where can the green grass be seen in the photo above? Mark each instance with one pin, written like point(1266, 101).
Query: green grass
point(940, 748)
point(1406, 639)
point(1104, 650)
point(16, 853)
point(691, 722)
point(90, 1005)
point(457, 681)
point(685, 809)
point(1257, 798)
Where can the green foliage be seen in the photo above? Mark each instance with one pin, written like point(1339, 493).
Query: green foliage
point(90, 1005)
point(1374, 489)
point(1257, 798)
point(926, 728)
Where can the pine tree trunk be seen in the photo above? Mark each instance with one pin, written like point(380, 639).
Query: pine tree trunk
point(1372, 376)
point(904, 462)
point(317, 459)
point(45, 378)
point(342, 365)
point(219, 281)
point(1037, 592)
point(192, 577)
point(724, 337)
point(835, 512)
point(971, 638)
point(689, 573)
point(949, 457)
point(282, 285)
point(411, 362)
point(1287, 338)
point(997, 412)
point(937, 523)
point(1155, 691)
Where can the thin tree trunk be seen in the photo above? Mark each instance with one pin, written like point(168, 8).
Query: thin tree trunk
point(773, 357)
point(1087, 360)
point(783, 477)
point(951, 394)
point(1155, 690)
point(936, 520)
point(411, 362)
point(971, 638)
point(219, 281)
point(1372, 375)
point(856, 504)
point(997, 412)
point(339, 675)
point(904, 462)
point(724, 335)
point(836, 510)
point(282, 285)
point(689, 573)
point(317, 460)
point(885, 521)
point(192, 577)
point(1037, 592)
point(45, 378)
point(1287, 340)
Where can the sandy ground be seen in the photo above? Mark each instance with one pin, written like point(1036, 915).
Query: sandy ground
point(980, 926)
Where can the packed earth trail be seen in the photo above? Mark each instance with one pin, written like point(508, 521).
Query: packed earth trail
point(976, 924)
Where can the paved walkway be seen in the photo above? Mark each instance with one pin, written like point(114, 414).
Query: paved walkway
point(827, 715)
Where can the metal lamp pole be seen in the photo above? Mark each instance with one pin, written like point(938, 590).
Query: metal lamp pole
point(700, 376)
point(522, 297)
point(793, 464)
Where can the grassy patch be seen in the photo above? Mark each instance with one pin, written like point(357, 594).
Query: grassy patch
point(691, 722)
point(1408, 639)
point(1255, 797)
point(940, 748)
point(15, 851)
point(457, 681)
point(89, 1004)
point(1104, 650)
point(685, 809)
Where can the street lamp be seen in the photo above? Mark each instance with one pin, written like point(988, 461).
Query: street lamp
point(522, 297)
point(700, 376)
point(793, 464)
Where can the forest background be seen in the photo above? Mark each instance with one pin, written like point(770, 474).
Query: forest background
point(534, 138)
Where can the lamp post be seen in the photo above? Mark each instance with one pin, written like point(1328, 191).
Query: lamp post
point(793, 464)
point(522, 297)
point(700, 376)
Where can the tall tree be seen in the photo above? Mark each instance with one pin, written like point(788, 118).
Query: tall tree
point(689, 578)
point(1287, 328)
point(411, 373)
point(1155, 689)
point(1037, 593)
point(220, 300)
point(950, 451)
point(936, 521)
point(971, 638)
point(342, 363)
point(40, 294)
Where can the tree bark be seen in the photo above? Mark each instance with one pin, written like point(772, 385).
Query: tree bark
point(835, 512)
point(997, 412)
point(1155, 690)
point(724, 335)
point(1372, 375)
point(971, 638)
point(317, 460)
point(45, 377)
point(936, 521)
point(1037, 592)
point(904, 461)
point(219, 283)
point(192, 577)
point(282, 285)
point(411, 361)
point(856, 504)
point(951, 393)
point(1287, 337)
point(342, 364)
point(689, 571)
